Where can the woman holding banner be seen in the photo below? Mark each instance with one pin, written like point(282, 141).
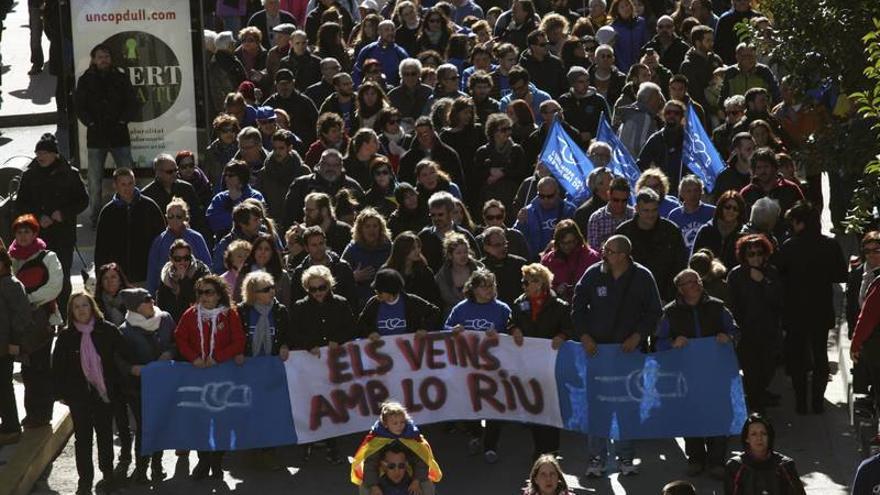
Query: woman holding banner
point(324, 319)
point(481, 311)
point(210, 333)
point(539, 313)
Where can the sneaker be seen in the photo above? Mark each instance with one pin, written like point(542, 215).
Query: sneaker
point(491, 456)
point(596, 468)
point(473, 446)
point(627, 468)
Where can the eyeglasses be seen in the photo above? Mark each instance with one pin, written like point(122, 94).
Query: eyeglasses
point(172, 216)
point(392, 466)
point(207, 292)
point(263, 290)
point(494, 217)
point(320, 288)
point(178, 259)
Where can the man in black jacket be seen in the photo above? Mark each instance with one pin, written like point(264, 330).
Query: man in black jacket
point(166, 185)
point(545, 69)
point(700, 63)
point(583, 105)
point(327, 178)
point(427, 144)
point(305, 67)
point(695, 314)
point(302, 110)
point(506, 267)
point(657, 243)
point(105, 103)
point(265, 20)
point(668, 45)
point(127, 226)
point(53, 192)
point(315, 241)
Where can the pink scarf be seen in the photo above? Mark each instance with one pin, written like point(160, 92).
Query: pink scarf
point(90, 360)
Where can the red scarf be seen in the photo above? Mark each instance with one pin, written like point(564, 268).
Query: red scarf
point(19, 252)
point(537, 304)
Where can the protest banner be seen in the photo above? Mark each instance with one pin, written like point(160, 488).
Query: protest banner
point(694, 391)
point(151, 41)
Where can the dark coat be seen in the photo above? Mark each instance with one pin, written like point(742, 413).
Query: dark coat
point(341, 271)
point(724, 248)
point(306, 70)
point(756, 306)
point(508, 276)
point(302, 186)
point(514, 166)
point(106, 103)
point(554, 318)
point(125, 233)
point(303, 113)
point(418, 313)
point(747, 476)
point(548, 74)
point(68, 381)
point(432, 246)
point(225, 74)
point(15, 313)
point(274, 179)
point(660, 250)
point(185, 191)
point(282, 334)
point(707, 319)
point(258, 20)
point(176, 304)
point(445, 156)
point(810, 264)
point(320, 323)
point(405, 220)
point(43, 190)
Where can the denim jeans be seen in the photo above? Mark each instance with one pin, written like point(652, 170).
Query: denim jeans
point(97, 157)
point(599, 447)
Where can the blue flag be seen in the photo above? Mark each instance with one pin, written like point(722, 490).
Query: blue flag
point(225, 407)
point(622, 162)
point(698, 153)
point(567, 162)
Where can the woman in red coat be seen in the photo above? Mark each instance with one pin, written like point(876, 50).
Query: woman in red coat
point(568, 257)
point(210, 333)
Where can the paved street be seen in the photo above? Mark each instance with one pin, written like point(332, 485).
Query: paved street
point(823, 446)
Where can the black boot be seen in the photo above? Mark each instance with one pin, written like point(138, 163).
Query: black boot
point(799, 383)
point(202, 469)
point(139, 475)
point(157, 474)
point(820, 381)
point(84, 487)
point(107, 483)
point(216, 466)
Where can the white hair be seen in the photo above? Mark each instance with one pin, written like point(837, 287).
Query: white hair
point(408, 63)
point(646, 91)
point(225, 41)
point(765, 213)
point(210, 38)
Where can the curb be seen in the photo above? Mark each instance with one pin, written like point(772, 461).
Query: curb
point(28, 120)
point(33, 454)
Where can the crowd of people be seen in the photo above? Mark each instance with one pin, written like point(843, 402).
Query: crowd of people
point(375, 170)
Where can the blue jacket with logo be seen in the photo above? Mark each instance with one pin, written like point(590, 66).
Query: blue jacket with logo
point(538, 230)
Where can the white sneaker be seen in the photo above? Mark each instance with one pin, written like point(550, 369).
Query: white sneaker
point(596, 468)
point(627, 467)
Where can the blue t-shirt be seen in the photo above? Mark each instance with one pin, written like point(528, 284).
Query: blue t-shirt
point(667, 204)
point(690, 223)
point(482, 317)
point(391, 319)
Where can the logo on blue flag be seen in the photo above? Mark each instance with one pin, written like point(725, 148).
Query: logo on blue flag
point(622, 163)
point(698, 152)
point(567, 162)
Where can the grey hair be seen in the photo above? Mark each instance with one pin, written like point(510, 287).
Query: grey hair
point(386, 22)
point(210, 37)
point(163, 157)
point(575, 72)
point(251, 133)
point(224, 41)
point(330, 60)
point(646, 91)
point(409, 63)
point(690, 179)
point(687, 272)
point(765, 213)
point(605, 48)
point(735, 100)
point(317, 271)
point(446, 69)
point(597, 173)
point(330, 152)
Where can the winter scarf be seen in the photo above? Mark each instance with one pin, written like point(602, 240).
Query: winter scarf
point(19, 252)
point(262, 340)
point(212, 315)
point(90, 360)
point(149, 324)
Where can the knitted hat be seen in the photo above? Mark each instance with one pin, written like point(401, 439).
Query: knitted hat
point(28, 221)
point(48, 143)
point(133, 298)
point(388, 280)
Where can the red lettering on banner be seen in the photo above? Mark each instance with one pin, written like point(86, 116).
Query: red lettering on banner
point(376, 395)
point(433, 351)
point(508, 391)
point(408, 396)
point(320, 408)
point(337, 365)
point(450, 348)
point(533, 407)
point(490, 362)
point(439, 393)
point(354, 399)
point(413, 356)
point(383, 361)
point(468, 350)
point(357, 364)
point(483, 388)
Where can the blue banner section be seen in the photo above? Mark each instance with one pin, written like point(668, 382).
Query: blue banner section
point(622, 163)
point(567, 162)
point(698, 153)
point(695, 391)
point(225, 407)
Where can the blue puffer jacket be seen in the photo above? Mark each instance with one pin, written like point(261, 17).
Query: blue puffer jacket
point(219, 212)
point(631, 37)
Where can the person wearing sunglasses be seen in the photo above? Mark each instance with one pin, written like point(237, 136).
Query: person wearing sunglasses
point(396, 474)
point(188, 171)
point(383, 183)
point(546, 70)
point(207, 334)
point(495, 215)
point(177, 217)
point(724, 229)
point(810, 264)
point(147, 336)
point(663, 149)
point(222, 149)
point(322, 318)
point(542, 214)
point(500, 165)
point(756, 303)
point(176, 283)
